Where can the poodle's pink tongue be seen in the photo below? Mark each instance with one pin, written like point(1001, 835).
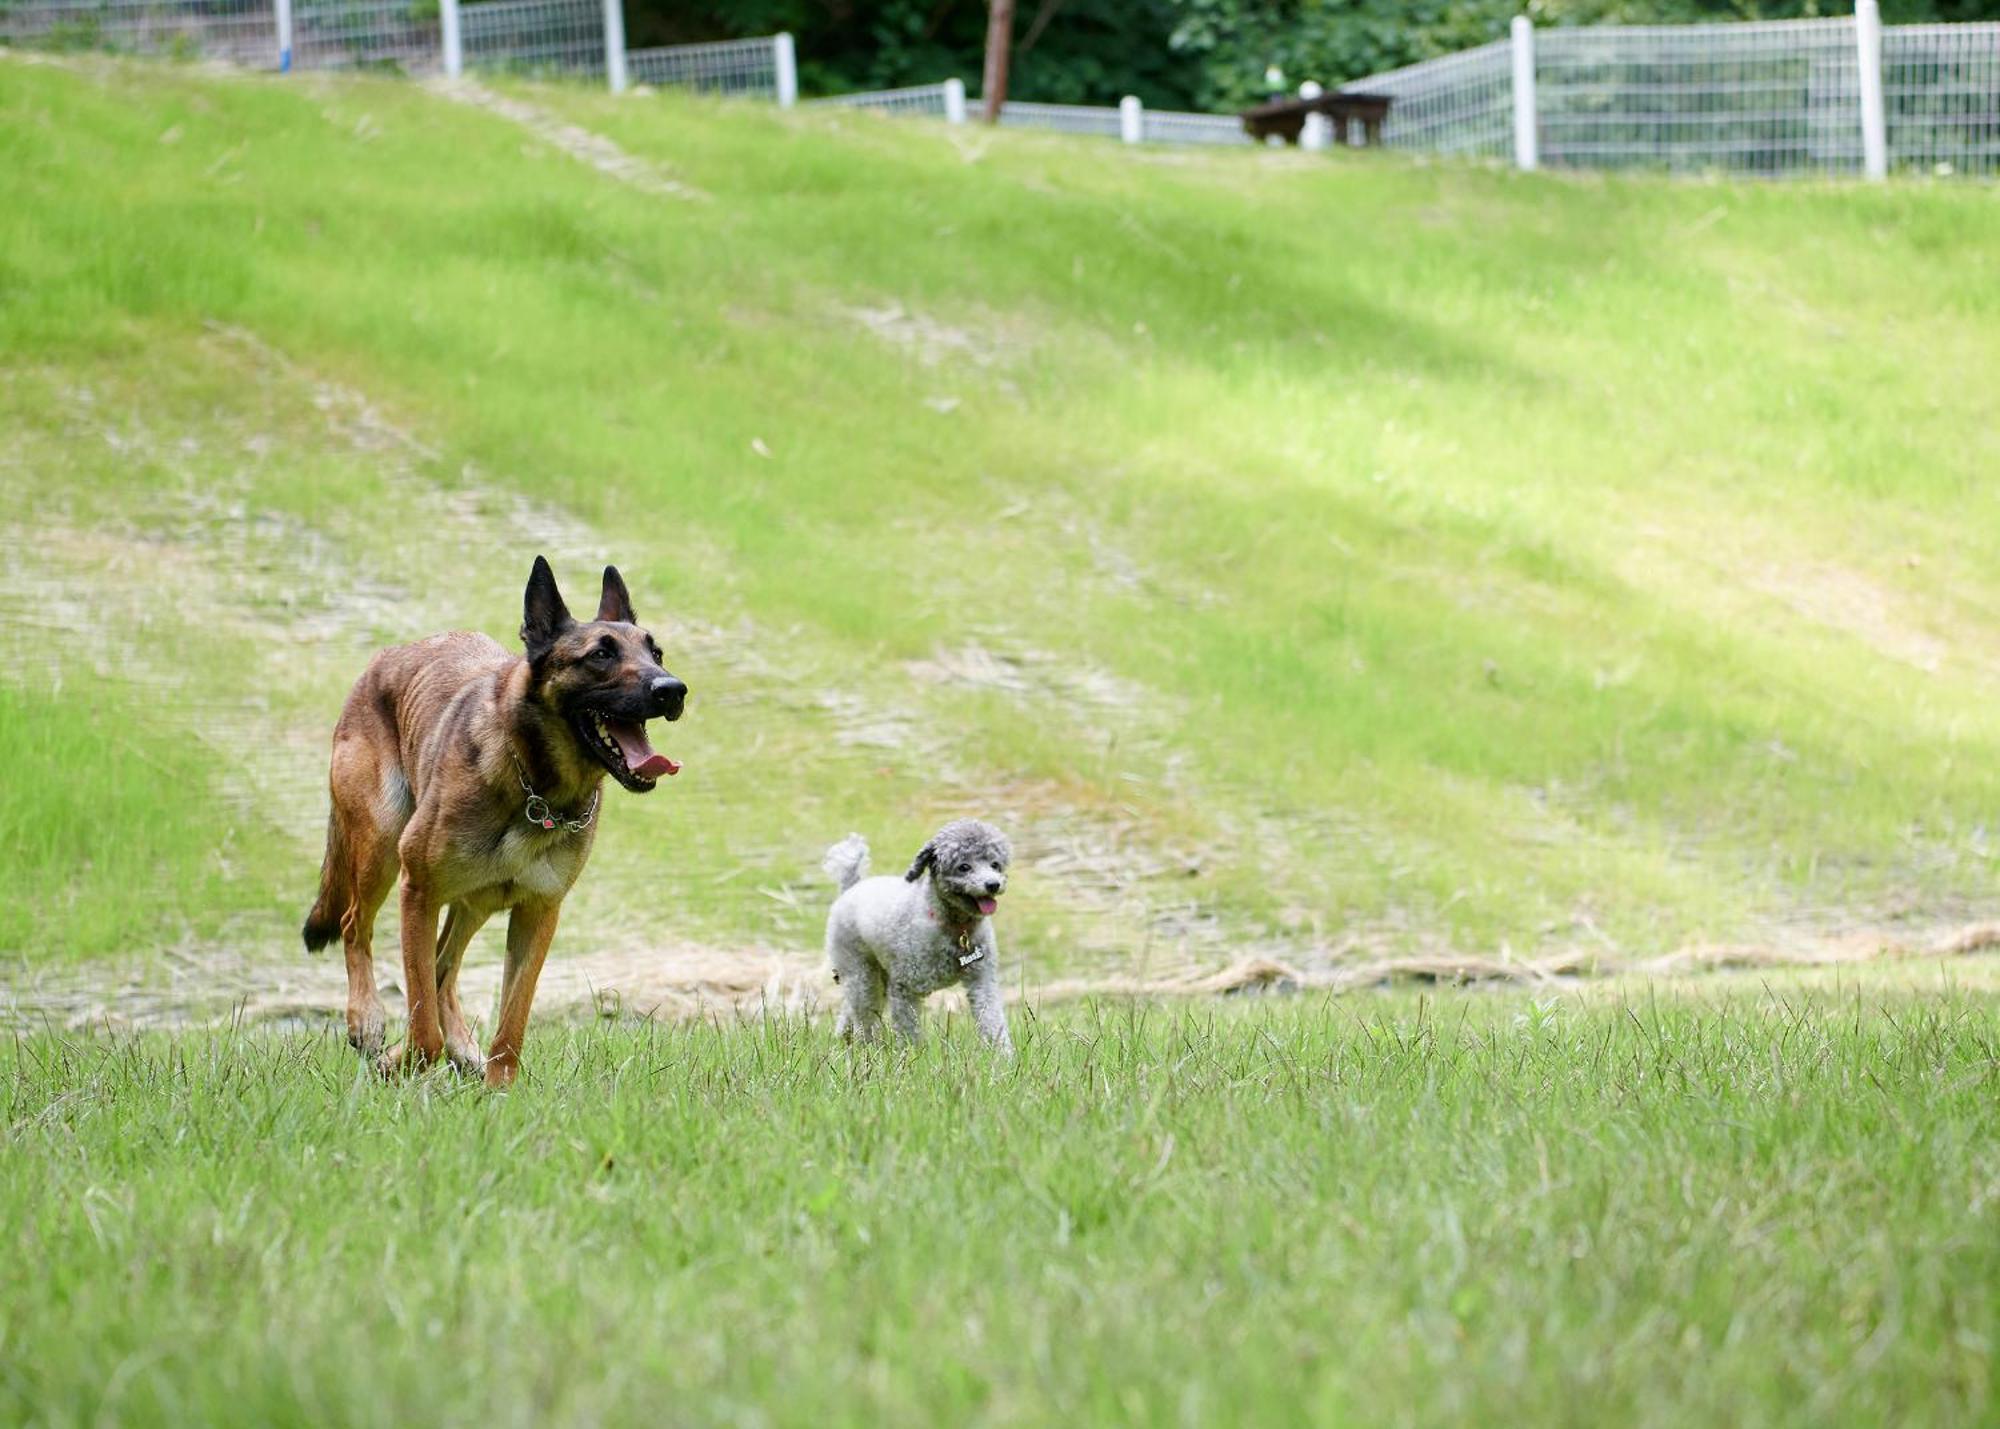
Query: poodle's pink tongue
point(989, 906)
point(640, 756)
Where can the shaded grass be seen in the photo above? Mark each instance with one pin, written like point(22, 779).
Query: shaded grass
point(1758, 1206)
point(1487, 559)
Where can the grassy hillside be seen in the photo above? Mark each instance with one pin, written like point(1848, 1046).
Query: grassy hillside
point(1296, 553)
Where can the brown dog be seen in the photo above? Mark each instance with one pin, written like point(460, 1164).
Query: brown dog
point(478, 772)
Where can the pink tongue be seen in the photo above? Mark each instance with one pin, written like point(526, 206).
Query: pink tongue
point(640, 756)
point(988, 905)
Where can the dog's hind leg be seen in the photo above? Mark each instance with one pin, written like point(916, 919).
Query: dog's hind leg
point(371, 802)
point(376, 867)
point(461, 921)
point(861, 1010)
point(861, 984)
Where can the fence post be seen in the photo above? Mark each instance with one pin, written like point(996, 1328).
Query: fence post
point(451, 38)
point(1131, 119)
point(1314, 134)
point(954, 101)
point(785, 68)
point(284, 10)
point(1527, 143)
point(614, 45)
point(1874, 130)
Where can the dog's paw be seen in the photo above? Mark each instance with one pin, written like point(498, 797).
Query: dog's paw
point(365, 1035)
point(466, 1060)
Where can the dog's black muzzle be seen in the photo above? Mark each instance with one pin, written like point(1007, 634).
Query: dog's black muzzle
point(666, 697)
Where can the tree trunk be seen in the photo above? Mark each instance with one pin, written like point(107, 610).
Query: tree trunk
point(999, 40)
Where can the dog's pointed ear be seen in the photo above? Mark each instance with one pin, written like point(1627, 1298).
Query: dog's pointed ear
point(926, 857)
point(616, 604)
point(544, 617)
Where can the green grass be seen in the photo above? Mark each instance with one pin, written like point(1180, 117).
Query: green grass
point(1428, 556)
point(1748, 1205)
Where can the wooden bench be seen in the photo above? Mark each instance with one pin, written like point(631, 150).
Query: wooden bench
point(1287, 117)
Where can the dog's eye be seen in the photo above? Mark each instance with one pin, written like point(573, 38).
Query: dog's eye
point(965, 868)
point(602, 653)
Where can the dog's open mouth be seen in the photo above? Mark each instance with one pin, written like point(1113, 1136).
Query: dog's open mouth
point(626, 751)
point(987, 906)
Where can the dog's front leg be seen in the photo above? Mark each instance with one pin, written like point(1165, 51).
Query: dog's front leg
point(982, 993)
point(905, 1014)
point(529, 931)
point(425, 1042)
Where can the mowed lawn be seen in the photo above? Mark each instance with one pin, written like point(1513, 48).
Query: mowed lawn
point(1724, 1203)
point(1295, 553)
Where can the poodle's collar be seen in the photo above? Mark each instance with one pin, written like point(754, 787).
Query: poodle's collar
point(961, 939)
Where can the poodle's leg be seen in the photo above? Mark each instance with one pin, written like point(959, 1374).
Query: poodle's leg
point(988, 1015)
point(905, 1013)
point(861, 982)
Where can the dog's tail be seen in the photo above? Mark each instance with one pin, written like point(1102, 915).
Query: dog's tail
point(846, 863)
point(323, 922)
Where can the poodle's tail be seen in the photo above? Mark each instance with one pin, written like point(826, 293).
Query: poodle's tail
point(846, 863)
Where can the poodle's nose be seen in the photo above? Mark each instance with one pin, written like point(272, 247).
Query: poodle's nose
point(994, 885)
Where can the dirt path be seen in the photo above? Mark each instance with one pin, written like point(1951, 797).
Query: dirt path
point(191, 987)
point(581, 144)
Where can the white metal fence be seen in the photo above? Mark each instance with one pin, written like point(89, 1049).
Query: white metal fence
point(1774, 99)
point(1795, 97)
point(737, 68)
point(1941, 96)
point(1769, 99)
point(1461, 104)
point(544, 37)
point(929, 101)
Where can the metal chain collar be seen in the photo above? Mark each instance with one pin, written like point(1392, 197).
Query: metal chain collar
point(539, 813)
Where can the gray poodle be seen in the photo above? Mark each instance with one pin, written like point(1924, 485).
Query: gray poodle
point(909, 936)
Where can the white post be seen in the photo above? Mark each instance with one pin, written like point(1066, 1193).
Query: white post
point(954, 101)
point(284, 8)
point(1131, 119)
point(614, 45)
point(1318, 129)
point(785, 68)
point(1874, 131)
point(1527, 143)
point(450, 36)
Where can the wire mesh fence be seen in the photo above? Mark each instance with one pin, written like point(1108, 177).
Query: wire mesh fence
point(1764, 99)
point(1768, 99)
point(365, 34)
point(1167, 126)
point(552, 38)
point(534, 37)
point(235, 31)
point(1101, 120)
point(1941, 97)
point(917, 100)
point(1460, 104)
point(1761, 99)
point(736, 68)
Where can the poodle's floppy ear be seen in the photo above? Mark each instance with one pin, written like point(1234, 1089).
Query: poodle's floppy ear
point(926, 857)
point(544, 617)
point(616, 604)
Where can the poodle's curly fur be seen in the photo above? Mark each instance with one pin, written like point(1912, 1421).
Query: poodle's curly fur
point(904, 938)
